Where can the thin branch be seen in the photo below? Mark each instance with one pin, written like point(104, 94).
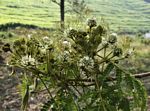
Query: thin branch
point(77, 90)
point(131, 98)
point(3, 64)
point(54, 1)
point(101, 48)
point(141, 75)
point(45, 86)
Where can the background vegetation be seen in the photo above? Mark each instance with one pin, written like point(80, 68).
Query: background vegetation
point(122, 15)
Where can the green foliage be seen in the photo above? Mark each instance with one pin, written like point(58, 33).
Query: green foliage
point(25, 94)
point(82, 69)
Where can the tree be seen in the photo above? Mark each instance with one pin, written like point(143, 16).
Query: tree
point(62, 13)
point(77, 6)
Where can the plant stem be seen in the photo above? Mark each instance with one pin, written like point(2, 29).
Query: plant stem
point(45, 86)
point(104, 58)
point(101, 49)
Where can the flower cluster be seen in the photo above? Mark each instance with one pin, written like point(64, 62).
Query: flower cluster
point(86, 62)
point(91, 22)
point(28, 60)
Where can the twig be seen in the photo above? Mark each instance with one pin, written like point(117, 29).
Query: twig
point(45, 86)
point(141, 75)
point(54, 1)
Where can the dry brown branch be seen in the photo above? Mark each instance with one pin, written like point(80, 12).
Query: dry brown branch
point(142, 75)
point(54, 1)
point(139, 76)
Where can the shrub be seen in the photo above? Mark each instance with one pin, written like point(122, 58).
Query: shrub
point(82, 69)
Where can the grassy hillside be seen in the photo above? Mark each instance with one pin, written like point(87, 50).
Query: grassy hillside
point(37, 12)
point(129, 15)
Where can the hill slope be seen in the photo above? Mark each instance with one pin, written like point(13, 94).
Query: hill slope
point(129, 15)
point(126, 14)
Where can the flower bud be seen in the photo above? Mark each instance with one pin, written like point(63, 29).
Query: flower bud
point(112, 39)
point(72, 33)
point(129, 53)
point(16, 43)
point(6, 47)
point(91, 22)
point(46, 39)
point(117, 52)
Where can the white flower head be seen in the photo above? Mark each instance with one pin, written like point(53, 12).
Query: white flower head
point(91, 22)
point(66, 53)
point(114, 34)
point(86, 58)
point(86, 61)
point(66, 44)
point(70, 28)
point(29, 36)
point(43, 50)
point(67, 31)
point(129, 53)
point(28, 60)
point(46, 38)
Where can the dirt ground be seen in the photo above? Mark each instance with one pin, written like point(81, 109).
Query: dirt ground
point(10, 98)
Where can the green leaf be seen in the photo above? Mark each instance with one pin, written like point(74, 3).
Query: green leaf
point(119, 78)
point(48, 62)
point(119, 75)
point(107, 71)
point(124, 104)
point(25, 99)
point(142, 95)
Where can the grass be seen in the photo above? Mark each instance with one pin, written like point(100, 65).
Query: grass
point(131, 15)
point(29, 12)
point(139, 61)
point(127, 14)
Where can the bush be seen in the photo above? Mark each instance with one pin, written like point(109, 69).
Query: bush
point(82, 69)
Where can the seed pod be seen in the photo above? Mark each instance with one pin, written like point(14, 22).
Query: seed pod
point(6, 47)
point(112, 39)
point(72, 33)
point(82, 33)
point(17, 43)
point(91, 23)
point(100, 30)
point(22, 41)
point(117, 52)
point(116, 61)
